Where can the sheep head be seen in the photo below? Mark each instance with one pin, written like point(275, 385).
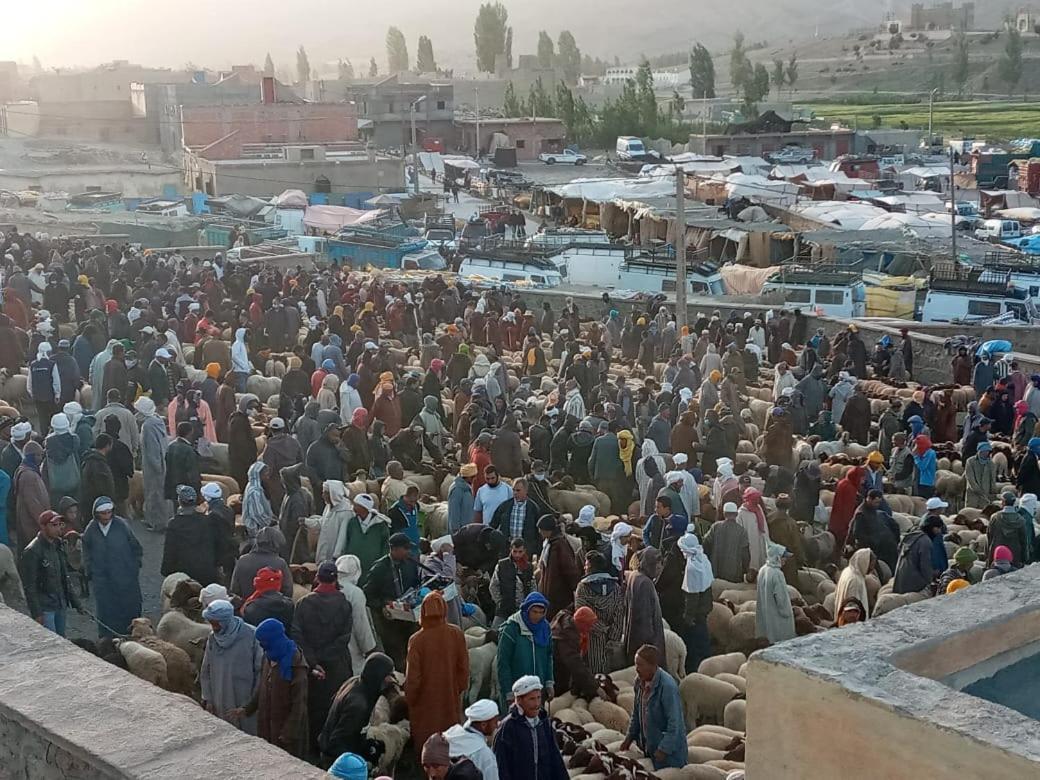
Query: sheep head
point(141, 627)
point(184, 594)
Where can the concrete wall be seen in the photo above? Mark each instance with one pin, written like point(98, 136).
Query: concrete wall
point(862, 702)
point(265, 178)
point(66, 715)
point(806, 728)
point(132, 181)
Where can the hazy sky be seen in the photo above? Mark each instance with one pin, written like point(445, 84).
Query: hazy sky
point(218, 33)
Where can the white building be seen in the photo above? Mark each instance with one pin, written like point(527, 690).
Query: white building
point(663, 79)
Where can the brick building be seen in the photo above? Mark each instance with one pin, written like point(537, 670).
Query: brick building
point(530, 135)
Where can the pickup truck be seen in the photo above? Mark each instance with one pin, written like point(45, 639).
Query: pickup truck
point(566, 157)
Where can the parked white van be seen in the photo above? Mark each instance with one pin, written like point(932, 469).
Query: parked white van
point(846, 298)
point(629, 147)
point(534, 273)
point(999, 230)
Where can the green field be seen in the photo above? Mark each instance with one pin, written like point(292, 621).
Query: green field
point(994, 121)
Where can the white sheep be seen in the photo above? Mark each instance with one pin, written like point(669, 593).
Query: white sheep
point(702, 772)
point(735, 680)
point(727, 766)
point(735, 715)
point(730, 662)
point(481, 660)
point(180, 630)
point(627, 701)
point(609, 714)
point(705, 697)
point(675, 654)
point(562, 702)
point(709, 739)
point(394, 737)
point(699, 754)
point(143, 662)
point(606, 736)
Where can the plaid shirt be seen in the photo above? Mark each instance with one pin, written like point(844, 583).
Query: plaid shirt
point(516, 519)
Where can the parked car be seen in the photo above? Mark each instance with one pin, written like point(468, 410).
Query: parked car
point(793, 155)
point(441, 238)
point(566, 157)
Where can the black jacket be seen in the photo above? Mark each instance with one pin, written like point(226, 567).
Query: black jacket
point(478, 546)
point(515, 751)
point(95, 480)
point(272, 604)
point(500, 522)
point(45, 577)
point(351, 711)
point(381, 586)
point(507, 575)
point(322, 624)
point(182, 468)
point(193, 546)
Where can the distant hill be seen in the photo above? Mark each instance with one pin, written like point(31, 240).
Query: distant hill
point(628, 28)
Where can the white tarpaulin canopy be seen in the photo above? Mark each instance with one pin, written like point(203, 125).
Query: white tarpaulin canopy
point(462, 163)
point(332, 218)
point(910, 223)
point(291, 199)
point(759, 189)
point(600, 190)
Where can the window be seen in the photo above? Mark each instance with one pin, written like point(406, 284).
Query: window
point(797, 296)
point(668, 285)
point(830, 297)
point(983, 308)
point(306, 154)
point(440, 105)
point(521, 143)
point(390, 107)
point(322, 184)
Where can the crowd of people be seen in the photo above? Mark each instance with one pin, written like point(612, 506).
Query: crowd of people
point(163, 365)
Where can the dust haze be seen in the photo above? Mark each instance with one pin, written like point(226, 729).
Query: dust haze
point(218, 33)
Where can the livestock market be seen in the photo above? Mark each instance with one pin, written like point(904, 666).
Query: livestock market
point(445, 534)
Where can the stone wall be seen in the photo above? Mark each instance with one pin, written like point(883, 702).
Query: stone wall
point(66, 715)
point(931, 363)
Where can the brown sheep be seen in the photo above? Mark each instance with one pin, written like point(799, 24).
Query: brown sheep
point(180, 677)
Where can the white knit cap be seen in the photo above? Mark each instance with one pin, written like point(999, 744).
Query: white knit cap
point(20, 431)
point(212, 592)
point(729, 507)
point(482, 710)
point(680, 458)
point(526, 684)
point(60, 423)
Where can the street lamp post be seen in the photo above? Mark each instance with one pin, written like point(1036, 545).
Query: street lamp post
point(415, 148)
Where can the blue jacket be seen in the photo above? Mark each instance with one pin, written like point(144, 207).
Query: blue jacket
point(515, 752)
point(404, 521)
point(940, 561)
point(926, 467)
point(665, 728)
point(460, 504)
point(518, 655)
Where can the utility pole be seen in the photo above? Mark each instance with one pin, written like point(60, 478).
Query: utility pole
point(415, 148)
point(704, 123)
point(680, 247)
point(953, 207)
point(476, 100)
